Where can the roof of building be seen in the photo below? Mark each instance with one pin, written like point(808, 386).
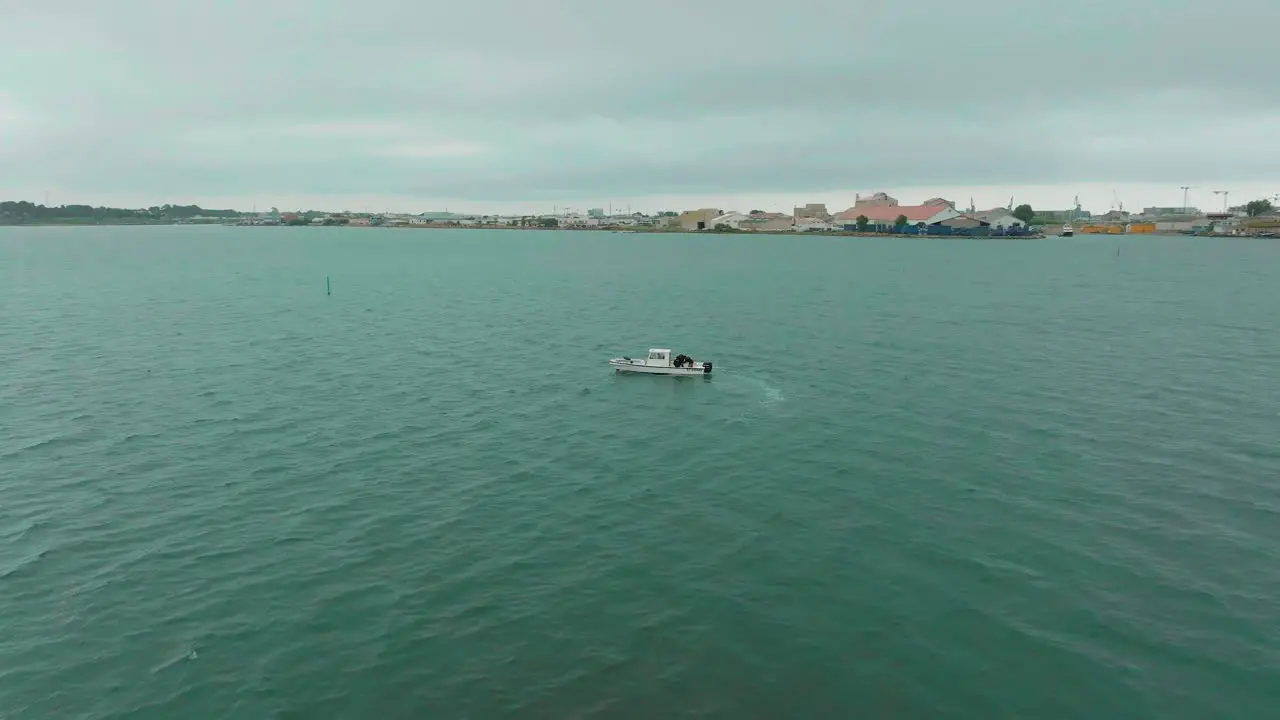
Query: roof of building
point(879, 198)
point(992, 213)
point(890, 213)
point(766, 223)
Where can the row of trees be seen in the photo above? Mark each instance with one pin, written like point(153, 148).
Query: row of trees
point(862, 222)
point(21, 211)
point(1254, 208)
point(538, 222)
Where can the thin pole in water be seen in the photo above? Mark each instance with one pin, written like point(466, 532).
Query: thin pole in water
point(327, 291)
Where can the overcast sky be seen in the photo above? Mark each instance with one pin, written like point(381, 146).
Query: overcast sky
point(519, 106)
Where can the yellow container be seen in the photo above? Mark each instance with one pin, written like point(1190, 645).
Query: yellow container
point(1142, 228)
point(1101, 230)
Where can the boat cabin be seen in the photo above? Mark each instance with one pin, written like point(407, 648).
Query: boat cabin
point(659, 357)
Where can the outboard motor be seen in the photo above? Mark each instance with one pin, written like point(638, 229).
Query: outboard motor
point(706, 367)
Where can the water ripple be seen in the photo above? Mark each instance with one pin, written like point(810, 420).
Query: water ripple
point(935, 478)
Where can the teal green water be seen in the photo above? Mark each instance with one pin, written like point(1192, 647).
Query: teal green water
point(969, 479)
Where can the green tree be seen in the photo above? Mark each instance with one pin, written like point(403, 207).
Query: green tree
point(548, 222)
point(757, 212)
point(901, 222)
point(1024, 213)
point(1254, 208)
point(862, 222)
point(25, 212)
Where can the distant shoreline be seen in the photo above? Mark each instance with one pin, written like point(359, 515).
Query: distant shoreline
point(616, 230)
point(57, 223)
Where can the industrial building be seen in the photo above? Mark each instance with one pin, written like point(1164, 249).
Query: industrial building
point(698, 219)
point(811, 212)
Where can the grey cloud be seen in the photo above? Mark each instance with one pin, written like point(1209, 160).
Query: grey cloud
point(511, 101)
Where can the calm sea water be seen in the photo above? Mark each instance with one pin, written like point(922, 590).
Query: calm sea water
point(929, 479)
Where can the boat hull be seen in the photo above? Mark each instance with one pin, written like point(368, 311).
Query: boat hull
point(638, 367)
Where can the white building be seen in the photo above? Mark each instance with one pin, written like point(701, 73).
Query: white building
point(732, 219)
point(999, 218)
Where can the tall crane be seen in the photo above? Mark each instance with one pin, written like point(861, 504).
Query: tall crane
point(1224, 194)
point(1185, 188)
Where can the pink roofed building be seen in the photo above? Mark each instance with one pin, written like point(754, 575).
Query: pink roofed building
point(881, 209)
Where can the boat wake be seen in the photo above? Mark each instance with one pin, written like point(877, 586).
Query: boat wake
point(766, 393)
point(187, 655)
point(771, 395)
point(761, 396)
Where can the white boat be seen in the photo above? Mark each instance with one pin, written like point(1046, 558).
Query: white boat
point(1069, 230)
point(660, 362)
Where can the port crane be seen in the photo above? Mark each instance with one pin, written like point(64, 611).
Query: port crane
point(1185, 205)
point(1116, 202)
